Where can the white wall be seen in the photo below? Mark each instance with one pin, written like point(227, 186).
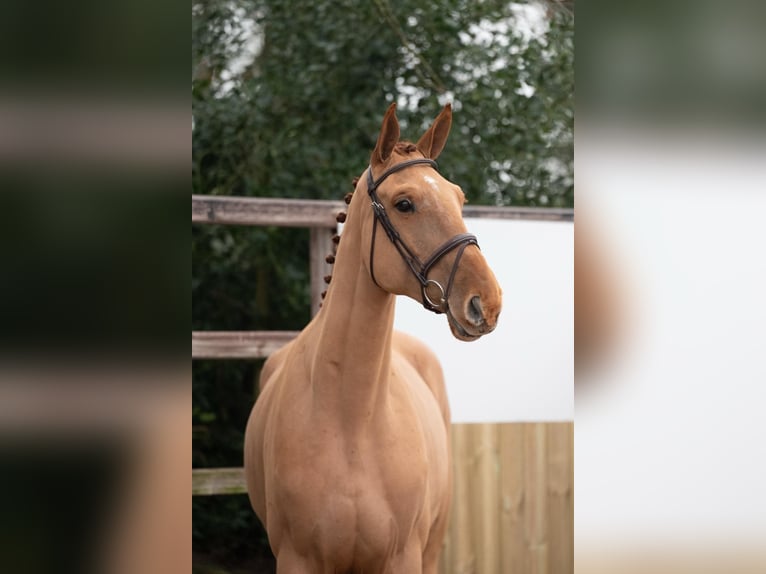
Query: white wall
point(523, 371)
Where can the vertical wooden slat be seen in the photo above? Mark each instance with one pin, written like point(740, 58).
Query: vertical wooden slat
point(560, 476)
point(320, 247)
point(461, 558)
point(536, 489)
point(512, 492)
point(445, 558)
point(485, 490)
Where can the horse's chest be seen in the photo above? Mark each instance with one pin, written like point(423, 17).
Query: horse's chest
point(358, 497)
point(378, 467)
point(356, 493)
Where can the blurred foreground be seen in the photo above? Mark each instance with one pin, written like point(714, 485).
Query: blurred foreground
point(671, 321)
point(95, 469)
point(95, 397)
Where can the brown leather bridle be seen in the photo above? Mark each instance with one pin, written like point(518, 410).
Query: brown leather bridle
point(419, 269)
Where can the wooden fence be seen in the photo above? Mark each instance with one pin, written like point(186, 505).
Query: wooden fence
point(513, 505)
point(513, 499)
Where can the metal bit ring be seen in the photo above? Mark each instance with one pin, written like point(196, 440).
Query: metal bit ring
point(442, 304)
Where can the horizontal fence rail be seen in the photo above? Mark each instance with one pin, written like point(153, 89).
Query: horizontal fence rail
point(209, 481)
point(238, 344)
point(526, 213)
point(264, 211)
point(321, 213)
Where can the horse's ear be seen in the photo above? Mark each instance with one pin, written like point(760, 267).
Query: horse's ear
point(432, 142)
point(389, 136)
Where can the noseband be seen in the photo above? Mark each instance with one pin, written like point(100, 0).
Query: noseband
point(419, 269)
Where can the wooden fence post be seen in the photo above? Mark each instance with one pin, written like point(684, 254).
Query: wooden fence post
point(320, 247)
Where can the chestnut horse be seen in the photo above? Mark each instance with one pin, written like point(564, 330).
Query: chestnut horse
point(347, 452)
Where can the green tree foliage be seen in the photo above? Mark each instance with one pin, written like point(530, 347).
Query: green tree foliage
point(294, 113)
point(287, 98)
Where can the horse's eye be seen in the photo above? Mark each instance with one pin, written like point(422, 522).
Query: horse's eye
point(404, 205)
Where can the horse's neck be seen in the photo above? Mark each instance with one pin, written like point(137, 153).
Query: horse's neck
point(351, 360)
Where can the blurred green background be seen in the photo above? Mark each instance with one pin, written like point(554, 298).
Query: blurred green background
point(287, 98)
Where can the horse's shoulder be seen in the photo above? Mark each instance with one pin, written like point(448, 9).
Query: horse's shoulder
point(426, 363)
point(415, 350)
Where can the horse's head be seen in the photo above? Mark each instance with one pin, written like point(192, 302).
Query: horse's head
point(418, 244)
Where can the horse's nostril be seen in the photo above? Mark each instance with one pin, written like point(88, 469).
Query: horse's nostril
point(475, 312)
